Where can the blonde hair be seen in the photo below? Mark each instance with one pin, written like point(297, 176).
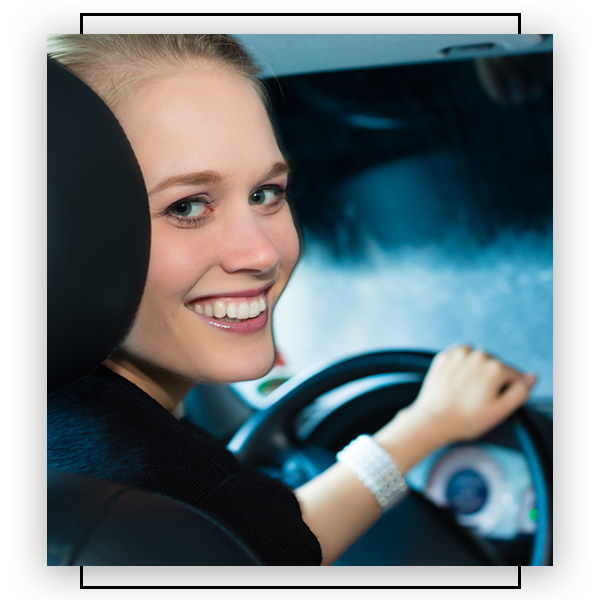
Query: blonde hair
point(112, 64)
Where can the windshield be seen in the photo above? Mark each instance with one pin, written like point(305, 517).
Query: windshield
point(426, 201)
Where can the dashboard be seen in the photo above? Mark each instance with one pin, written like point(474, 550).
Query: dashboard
point(487, 487)
point(486, 484)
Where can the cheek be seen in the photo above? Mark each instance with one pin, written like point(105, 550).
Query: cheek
point(175, 266)
point(285, 237)
point(173, 270)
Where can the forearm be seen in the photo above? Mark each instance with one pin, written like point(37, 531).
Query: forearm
point(465, 393)
point(339, 508)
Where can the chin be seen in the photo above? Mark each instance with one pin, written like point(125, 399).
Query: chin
point(255, 368)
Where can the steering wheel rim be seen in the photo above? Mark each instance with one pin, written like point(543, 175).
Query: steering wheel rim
point(269, 435)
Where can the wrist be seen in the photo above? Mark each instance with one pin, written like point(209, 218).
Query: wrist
point(376, 470)
point(410, 436)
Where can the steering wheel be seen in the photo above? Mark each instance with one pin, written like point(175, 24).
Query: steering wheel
point(424, 534)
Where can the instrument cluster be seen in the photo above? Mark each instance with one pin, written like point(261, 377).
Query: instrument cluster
point(487, 487)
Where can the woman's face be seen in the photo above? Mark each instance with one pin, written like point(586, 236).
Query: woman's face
point(223, 240)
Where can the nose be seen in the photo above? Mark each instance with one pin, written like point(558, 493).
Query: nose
point(248, 246)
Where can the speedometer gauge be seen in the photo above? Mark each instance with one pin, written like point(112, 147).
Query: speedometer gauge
point(472, 484)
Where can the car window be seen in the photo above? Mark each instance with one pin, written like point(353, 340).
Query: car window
point(425, 195)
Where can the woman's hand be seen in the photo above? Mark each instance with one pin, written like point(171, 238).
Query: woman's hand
point(467, 392)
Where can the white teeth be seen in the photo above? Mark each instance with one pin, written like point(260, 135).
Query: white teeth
point(231, 311)
point(219, 309)
point(243, 311)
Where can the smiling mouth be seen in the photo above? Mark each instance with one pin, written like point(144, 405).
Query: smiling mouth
point(231, 309)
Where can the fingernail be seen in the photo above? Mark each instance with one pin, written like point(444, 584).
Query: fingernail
point(530, 379)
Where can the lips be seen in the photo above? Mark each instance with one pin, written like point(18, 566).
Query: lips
point(238, 308)
point(231, 310)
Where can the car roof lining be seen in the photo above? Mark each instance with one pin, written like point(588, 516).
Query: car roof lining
point(310, 53)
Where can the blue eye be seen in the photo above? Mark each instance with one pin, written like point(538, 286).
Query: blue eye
point(267, 196)
point(188, 208)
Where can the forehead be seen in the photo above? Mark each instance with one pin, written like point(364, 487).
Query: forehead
point(197, 119)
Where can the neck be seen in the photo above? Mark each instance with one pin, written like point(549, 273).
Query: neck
point(167, 390)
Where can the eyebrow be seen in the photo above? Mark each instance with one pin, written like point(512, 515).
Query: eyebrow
point(202, 177)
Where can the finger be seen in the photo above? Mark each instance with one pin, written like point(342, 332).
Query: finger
point(516, 394)
point(448, 358)
point(509, 375)
point(481, 356)
point(458, 352)
point(492, 367)
point(484, 368)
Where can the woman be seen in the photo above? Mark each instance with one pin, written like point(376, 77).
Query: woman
point(223, 248)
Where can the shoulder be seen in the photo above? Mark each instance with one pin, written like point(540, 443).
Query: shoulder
point(267, 516)
point(104, 426)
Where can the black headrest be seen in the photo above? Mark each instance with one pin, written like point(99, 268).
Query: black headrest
point(98, 229)
point(98, 253)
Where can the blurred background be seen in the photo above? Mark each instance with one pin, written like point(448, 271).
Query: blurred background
point(425, 195)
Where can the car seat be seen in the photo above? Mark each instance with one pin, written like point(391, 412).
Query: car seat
point(98, 253)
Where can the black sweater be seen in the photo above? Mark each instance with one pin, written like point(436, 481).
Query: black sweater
point(104, 426)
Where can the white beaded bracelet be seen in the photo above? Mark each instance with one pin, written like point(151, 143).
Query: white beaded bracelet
point(376, 470)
